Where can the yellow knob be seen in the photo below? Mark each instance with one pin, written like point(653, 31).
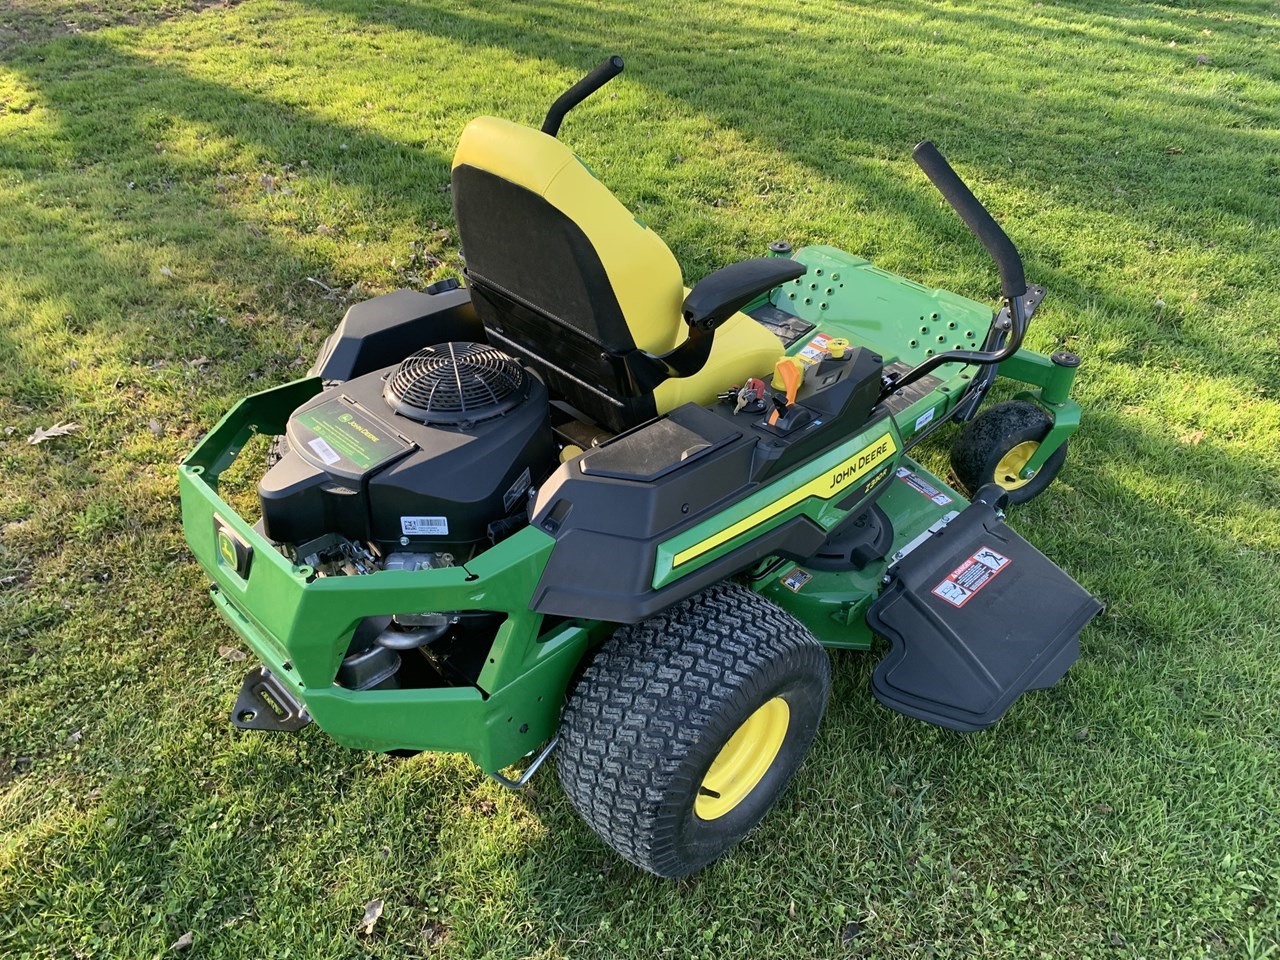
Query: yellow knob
point(837, 347)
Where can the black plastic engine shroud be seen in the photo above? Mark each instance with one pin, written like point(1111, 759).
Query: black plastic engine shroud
point(358, 468)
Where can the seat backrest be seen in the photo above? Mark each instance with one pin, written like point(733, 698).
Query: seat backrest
point(560, 271)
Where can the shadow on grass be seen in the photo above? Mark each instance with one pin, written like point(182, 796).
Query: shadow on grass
point(818, 89)
point(28, 22)
point(832, 106)
point(1166, 155)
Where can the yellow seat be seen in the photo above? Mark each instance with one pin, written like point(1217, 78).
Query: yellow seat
point(564, 275)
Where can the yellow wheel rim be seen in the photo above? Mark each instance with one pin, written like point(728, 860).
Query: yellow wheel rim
point(743, 761)
point(1009, 469)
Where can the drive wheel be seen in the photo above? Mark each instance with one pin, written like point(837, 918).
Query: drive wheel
point(277, 451)
point(997, 444)
point(684, 729)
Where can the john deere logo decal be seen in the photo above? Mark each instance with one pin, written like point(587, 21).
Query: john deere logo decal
point(233, 553)
point(825, 486)
point(227, 549)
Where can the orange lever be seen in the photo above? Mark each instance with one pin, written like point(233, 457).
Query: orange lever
point(790, 371)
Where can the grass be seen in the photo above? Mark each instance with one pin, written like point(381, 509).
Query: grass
point(169, 186)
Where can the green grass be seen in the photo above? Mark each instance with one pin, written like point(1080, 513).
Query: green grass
point(166, 191)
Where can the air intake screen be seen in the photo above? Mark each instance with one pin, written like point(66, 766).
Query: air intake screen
point(456, 383)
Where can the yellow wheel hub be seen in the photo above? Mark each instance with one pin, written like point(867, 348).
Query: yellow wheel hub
point(1009, 469)
point(743, 761)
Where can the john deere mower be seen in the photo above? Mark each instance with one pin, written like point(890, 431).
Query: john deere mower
point(573, 505)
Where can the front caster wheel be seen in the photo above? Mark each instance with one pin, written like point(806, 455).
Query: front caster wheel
point(998, 444)
point(684, 729)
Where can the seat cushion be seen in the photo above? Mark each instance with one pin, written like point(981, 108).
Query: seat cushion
point(641, 271)
point(545, 191)
point(742, 349)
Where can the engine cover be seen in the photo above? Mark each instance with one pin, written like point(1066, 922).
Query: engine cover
point(431, 451)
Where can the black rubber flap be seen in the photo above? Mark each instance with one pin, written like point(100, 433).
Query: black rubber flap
point(976, 616)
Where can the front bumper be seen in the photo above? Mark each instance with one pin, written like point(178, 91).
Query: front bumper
point(300, 625)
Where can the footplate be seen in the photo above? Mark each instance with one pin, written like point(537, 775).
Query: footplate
point(975, 616)
point(266, 704)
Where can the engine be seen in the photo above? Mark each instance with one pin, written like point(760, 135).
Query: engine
point(412, 465)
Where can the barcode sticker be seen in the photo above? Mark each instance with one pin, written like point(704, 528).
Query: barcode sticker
point(324, 451)
point(424, 526)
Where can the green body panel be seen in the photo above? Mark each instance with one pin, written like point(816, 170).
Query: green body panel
point(857, 463)
point(301, 624)
point(1055, 383)
point(846, 296)
point(833, 603)
point(903, 321)
point(898, 318)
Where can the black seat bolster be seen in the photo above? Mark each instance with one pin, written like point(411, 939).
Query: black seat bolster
point(718, 296)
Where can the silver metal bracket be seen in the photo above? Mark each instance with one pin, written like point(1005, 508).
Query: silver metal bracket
point(524, 778)
point(936, 528)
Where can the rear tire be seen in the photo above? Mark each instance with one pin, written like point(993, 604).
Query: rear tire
point(998, 443)
point(277, 451)
point(685, 729)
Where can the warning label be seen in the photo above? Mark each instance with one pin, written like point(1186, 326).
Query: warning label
point(815, 349)
point(971, 576)
point(523, 482)
point(922, 487)
point(796, 579)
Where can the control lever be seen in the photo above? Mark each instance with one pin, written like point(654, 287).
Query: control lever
point(788, 375)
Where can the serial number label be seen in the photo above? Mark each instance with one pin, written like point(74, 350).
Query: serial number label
point(424, 526)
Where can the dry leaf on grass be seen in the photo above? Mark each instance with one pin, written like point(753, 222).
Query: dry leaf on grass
point(372, 911)
point(57, 430)
point(231, 654)
point(183, 942)
point(434, 933)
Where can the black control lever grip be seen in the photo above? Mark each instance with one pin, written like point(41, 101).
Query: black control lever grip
point(609, 68)
point(1012, 282)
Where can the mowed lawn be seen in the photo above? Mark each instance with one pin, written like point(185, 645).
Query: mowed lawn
point(189, 200)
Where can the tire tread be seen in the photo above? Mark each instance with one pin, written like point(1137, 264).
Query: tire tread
point(643, 700)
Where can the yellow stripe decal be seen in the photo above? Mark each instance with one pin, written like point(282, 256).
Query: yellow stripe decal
point(825, 486)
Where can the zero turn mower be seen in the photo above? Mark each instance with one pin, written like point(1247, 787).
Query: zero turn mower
point(574, 504)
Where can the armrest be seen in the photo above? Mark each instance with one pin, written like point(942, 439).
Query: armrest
point(718, 296)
